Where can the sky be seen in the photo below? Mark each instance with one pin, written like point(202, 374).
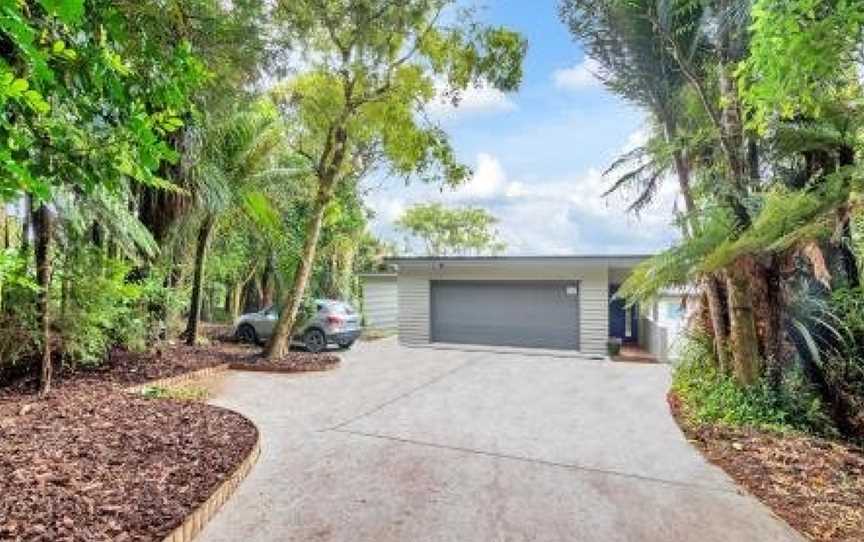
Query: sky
point(538, 154)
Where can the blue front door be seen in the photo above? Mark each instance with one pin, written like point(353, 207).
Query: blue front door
point(623, 320)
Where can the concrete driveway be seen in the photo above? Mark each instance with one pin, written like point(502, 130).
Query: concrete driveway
point(444, 445)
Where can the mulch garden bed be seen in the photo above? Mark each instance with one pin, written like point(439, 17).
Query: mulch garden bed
point(92, 462)
point(292, 362)
point(816, 485)
point(100, 464)
point(125, 368)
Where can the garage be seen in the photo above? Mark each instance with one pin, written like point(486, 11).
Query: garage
point(522, 313)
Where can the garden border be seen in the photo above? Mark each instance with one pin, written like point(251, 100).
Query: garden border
point(178, 380)
point(274, 368)
point(195, 521)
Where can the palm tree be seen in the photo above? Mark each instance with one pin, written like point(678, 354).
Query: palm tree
point(235, 158)
point(636, 63)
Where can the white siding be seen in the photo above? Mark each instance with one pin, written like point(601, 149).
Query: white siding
point(413, 309)
point(594, 304)
point(380, 302)
point(593, 296)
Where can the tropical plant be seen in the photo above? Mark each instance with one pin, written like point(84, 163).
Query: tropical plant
point(236, 159)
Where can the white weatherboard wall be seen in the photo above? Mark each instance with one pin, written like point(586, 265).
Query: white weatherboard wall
point(593, 278)
point(380, 301)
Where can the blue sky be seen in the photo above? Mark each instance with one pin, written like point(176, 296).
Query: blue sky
point(537, 154)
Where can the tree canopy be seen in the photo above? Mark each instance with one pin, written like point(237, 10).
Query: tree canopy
point(444, 231)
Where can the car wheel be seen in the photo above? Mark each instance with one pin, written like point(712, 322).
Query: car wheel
point(314, 340)
point(346, 346)
point(246, 334)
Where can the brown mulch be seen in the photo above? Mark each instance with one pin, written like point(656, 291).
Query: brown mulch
point(92, 462)
point(125, 368)
point(816, 485)
point(292, 362)
point(100, 464)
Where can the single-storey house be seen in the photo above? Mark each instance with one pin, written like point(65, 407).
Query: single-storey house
point(554, 302)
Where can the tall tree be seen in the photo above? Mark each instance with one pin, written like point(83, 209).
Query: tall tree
point(369, 66)
point(636, 63)
point(75, 116)
point(235, 158)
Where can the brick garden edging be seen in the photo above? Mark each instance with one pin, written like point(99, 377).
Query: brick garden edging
point(178, 380)
point(196, 521)
point(198, 518)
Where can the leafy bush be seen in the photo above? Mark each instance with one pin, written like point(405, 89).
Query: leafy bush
point(18, 337)
point(712, 397)
point(847, 366)
point(98, 308)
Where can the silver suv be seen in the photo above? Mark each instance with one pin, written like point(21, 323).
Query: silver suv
point(326, 322)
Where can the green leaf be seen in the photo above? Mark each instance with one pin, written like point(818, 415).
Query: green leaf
point(17, 87)
point(68, 11)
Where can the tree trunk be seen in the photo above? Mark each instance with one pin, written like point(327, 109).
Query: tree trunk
point(26, 218)
point(718, 321)
point(206, 314)
point(198, 280)
point(4, 225)
point(294, 297)
point(329, 167)
point(236, 299)
point(742, 332)
point(252, 295)
point(268, 283)
point(42, 224)
point(709, 283)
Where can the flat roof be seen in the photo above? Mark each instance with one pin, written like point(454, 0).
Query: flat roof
point(574, 258)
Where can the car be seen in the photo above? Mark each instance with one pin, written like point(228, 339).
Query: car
point(325, 322)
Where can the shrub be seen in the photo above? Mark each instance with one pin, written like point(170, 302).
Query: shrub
point(845, 368)
point(98, 308)
point(712, 397)
point(18, 331)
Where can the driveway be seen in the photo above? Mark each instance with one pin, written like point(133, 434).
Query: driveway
point(423, 445)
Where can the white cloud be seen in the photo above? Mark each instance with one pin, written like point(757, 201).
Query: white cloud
point(579, 77)
point(488, 182)
point(566, 215)
point(473, 101)
point(637, 138)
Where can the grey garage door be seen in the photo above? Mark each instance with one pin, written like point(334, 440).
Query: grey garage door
point(541, 314)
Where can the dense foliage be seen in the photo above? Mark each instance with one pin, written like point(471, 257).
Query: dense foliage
point(171, 160)
point(756, 114)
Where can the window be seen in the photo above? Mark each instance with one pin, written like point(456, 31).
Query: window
point(628, 322)
point(671, 310)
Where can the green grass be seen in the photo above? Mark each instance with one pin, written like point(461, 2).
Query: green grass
point(180, 393)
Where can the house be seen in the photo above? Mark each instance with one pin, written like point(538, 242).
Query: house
point(379, 302)
point(664, 321)
point(554, 302)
